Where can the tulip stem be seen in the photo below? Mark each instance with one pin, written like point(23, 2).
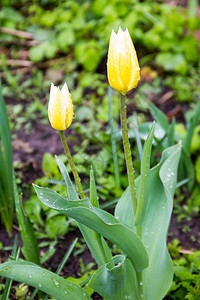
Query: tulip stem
point(130, 172)
point(127, 152)
point(72, 165)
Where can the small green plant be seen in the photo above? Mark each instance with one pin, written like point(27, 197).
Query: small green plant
point(186, 283)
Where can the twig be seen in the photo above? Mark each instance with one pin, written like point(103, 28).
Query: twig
point(174, 111)
point(184, 251)
point(41, 65)
point(17, 63)
point(19, 33)
point(17, 71)
point(16, 227)
point(19, 42)
point(166, 97)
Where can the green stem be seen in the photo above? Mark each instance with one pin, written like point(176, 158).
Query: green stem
point(140, 285)
point(72, 165)
point(130, 172)
point(127, 152)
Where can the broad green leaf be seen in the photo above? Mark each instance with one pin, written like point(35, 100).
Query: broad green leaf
point(157, 277)
point(143, 196)
point(159, 116)
point(44, 280)
point(172, 62)
point(88, 54)
point(101, 222)
point(8, 283)
point(117, 283)
point(144, 128)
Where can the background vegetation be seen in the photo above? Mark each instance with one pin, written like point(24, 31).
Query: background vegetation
point(56, 41)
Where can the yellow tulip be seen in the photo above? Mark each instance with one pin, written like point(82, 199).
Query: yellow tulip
point(122, 66)
point(60, 109)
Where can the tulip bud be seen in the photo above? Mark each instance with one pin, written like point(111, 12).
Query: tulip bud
point(60, 108)
point(122, 66)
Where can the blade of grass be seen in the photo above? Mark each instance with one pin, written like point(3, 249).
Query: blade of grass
point(113, 141)
point(64, 260)
point(191, 127)
point(182, 182)
point(6, 169)
point(8, 284)
point(30, 249)
point(66, 256)
point(137, 135)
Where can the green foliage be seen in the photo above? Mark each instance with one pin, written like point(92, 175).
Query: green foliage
point(30, 246)
point(81, 280)
point(79, 32)
point(163, 180)
point(6, 170)
point(197, 169)
point(100, 221)
point(42, 279)
point(186, 283)
point(172, 62)
point(83, 29)
point(47, 222)
point(88, 54)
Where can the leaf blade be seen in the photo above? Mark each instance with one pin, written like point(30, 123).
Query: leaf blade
point(42, 279)
point(99, 221)
point(157, 277)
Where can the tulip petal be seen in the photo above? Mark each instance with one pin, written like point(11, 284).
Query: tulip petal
point(125, 62)
point(135, 77)
point(123, 67)
point(57, 111)
point(113, 74)
point(69, 106)
point(60, 109)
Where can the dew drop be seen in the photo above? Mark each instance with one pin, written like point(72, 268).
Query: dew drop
point(56, 282)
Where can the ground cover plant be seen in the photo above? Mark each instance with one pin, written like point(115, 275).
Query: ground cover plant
point(38, 52)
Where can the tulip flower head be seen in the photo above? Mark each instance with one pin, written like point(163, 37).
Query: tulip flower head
point(60, 108)
point(123, 68)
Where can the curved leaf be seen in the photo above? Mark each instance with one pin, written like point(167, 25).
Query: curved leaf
point(117, 283)
point(101, 222)
point(43, 279)
point(157, 277)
